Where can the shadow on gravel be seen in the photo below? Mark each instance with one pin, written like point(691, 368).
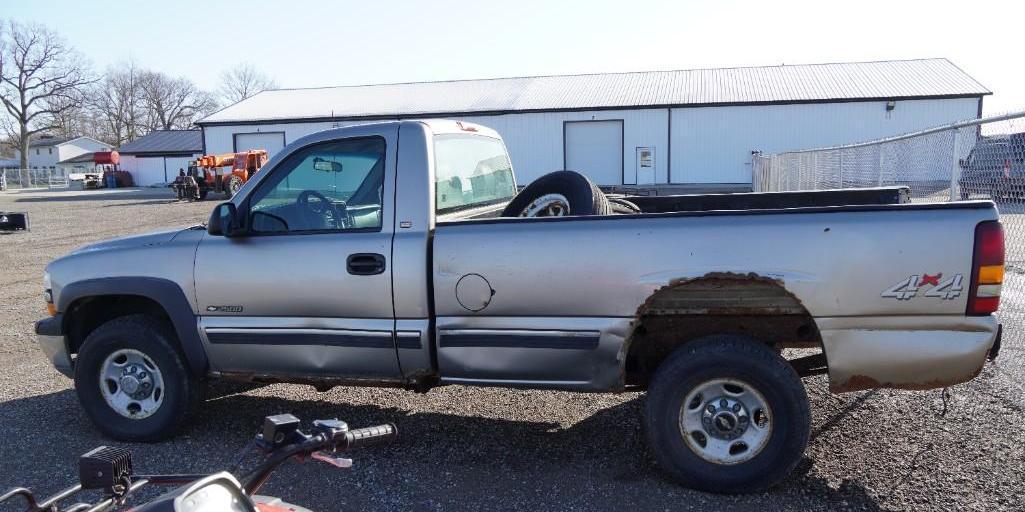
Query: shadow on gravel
point(461, 461)
point(146, 202)
point(96, 195)
point(835, 419)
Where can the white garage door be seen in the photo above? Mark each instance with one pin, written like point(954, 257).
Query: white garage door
point(149, 171)
point(270, 141)
point(595, 148)
point(175, 164)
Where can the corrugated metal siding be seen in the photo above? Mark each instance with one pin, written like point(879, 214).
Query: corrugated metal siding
point(713, 145)
point(815, 82)
point(710, 144)
point(534, 140)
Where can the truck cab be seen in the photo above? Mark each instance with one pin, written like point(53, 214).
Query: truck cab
point(348, 221)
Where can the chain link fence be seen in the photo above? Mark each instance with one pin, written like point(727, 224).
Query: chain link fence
point(975, 159)
point(11, 179)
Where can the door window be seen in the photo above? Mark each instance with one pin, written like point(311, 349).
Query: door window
point(331, 186)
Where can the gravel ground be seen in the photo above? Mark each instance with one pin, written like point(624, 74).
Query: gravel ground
point(490, 449)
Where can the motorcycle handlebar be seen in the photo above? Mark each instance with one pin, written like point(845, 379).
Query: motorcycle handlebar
point(369, 435)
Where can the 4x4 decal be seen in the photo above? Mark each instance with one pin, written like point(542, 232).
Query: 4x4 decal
point(948, 289)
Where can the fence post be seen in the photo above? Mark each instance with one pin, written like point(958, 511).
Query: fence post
point(879, 163)
point(955, 169)
point(841, 168)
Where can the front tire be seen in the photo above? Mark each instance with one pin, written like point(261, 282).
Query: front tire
point(132, 382)
point(728, 415)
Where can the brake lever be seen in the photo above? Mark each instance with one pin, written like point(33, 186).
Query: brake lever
point(336, 461)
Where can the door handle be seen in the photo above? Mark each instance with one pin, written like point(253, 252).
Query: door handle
point(365, 264)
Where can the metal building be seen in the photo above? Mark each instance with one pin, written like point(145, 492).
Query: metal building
point(156, 157)
point(659, 129)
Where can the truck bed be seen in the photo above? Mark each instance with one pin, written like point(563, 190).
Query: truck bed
point(771, 200)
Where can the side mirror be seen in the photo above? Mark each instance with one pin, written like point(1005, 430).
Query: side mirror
point(224, 221)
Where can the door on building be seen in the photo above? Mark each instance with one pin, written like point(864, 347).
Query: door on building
point(174, 164)
point(308, 290)
point(595, 148)
point(272, 142)
point(150, 171)
point(644, 166)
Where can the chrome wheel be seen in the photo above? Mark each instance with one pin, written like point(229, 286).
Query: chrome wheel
point(131, 383)
point(725, 421)
point(548, 205)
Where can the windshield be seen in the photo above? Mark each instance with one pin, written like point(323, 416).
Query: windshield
point(470, 171)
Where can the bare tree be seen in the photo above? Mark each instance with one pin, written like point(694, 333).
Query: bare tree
point(172, 103)
point(243, 81)
point(117, 104)
point(40, 78)
point(70, 117)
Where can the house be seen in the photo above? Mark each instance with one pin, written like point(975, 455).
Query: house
point(47, 151)
point(156, 158)
point(655, 130)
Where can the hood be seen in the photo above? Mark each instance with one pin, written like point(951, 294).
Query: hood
point(153, 239)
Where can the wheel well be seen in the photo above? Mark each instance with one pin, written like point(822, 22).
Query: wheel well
point(748, 305)
point(86, 314)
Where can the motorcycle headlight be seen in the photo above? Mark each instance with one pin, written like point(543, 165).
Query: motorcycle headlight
point(217, 492)
point(220, 495)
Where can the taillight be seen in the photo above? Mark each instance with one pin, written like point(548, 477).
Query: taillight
point(987, 269)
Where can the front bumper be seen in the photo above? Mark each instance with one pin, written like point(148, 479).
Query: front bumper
point(52, 342)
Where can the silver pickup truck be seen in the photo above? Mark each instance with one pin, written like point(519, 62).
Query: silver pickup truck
point(402, 254)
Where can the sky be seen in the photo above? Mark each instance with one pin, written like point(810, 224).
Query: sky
point(324, 43)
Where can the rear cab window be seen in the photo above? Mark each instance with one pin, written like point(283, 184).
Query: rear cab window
point(472, 172)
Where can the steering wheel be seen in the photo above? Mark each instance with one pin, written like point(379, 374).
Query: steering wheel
point(313, 213)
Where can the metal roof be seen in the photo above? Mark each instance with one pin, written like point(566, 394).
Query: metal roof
point(165, 141)
point(78, 159)
point(47, 140)
point(924, 78)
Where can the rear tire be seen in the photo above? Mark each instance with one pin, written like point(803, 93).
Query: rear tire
point(557, 194)
point(132, 382)
point(742, 397)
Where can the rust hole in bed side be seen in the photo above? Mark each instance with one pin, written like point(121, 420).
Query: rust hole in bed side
point(749, 305)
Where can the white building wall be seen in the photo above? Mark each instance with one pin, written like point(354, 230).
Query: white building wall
point(714, 144)
point(81, 145)
point(219, 139)
point(148, 171)
point(710, 144)
point(534, 140)
point(536, 146)
point(48, 156)
point(41, 157)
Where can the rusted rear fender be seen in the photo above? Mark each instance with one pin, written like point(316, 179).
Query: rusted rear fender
point(923, 352)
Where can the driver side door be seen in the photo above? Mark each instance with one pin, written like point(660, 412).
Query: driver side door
point(306, 291)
